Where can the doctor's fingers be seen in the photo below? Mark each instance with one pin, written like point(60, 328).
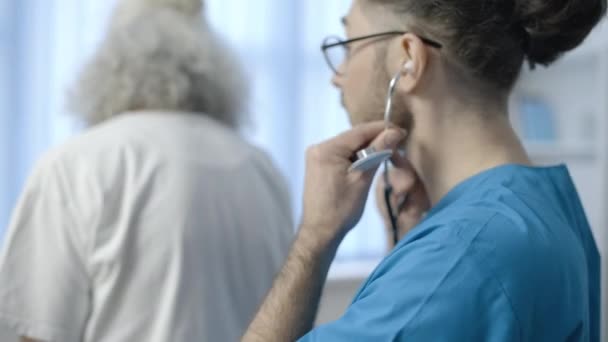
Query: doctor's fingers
point(415, 203)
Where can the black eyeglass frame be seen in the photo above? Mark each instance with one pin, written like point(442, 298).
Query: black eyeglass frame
point(325, 46)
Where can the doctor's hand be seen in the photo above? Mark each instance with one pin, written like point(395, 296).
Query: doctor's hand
point(409, 200)
point(334, 198)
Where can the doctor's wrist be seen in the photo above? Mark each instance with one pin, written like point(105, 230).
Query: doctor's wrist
point(319, 238)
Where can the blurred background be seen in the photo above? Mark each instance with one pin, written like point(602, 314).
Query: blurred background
point(44, 43)
point(561, 113)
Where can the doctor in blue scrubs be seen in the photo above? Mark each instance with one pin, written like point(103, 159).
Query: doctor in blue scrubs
point(491, 247)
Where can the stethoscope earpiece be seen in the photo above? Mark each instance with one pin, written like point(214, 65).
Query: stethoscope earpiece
point(408, 67)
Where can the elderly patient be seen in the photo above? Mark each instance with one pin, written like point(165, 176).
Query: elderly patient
point(158, 223)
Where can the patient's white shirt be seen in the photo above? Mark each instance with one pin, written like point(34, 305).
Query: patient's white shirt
point(152, 227)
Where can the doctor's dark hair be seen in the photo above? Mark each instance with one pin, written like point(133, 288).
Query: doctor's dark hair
point(492, 38)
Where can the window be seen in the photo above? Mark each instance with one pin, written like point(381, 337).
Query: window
point(6, 50)
point(294, 104)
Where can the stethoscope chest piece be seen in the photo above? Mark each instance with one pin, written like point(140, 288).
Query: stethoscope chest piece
point(369, 159)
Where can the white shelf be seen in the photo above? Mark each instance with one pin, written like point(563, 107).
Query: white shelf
point(355, 270)
point(561, 151)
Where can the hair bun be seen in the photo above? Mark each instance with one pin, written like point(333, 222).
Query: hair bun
point(553, 27)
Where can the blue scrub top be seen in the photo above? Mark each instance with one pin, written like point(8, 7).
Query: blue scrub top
point(507, 255)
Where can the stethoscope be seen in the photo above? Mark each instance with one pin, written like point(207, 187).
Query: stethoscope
point(369, 158)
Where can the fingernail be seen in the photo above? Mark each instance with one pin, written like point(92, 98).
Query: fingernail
point(394, 137)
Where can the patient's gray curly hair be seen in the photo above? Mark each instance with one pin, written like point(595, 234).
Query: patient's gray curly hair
point(160, 55)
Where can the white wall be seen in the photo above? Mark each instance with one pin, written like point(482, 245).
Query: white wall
point(6, 335)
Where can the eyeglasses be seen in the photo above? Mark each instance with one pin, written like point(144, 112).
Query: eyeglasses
point(335, 49)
